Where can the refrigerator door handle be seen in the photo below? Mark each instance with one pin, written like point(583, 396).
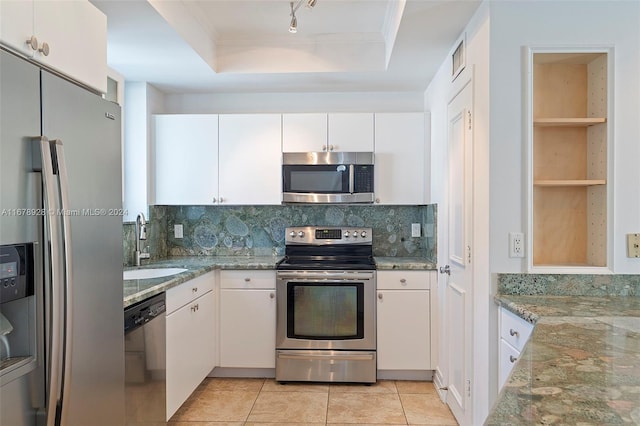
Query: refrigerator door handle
point(43, 162)
point(63, 183)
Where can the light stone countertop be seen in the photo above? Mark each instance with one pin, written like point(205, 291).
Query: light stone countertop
point(581, 364)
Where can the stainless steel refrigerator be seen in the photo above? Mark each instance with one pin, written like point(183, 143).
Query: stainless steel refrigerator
point(61, 323)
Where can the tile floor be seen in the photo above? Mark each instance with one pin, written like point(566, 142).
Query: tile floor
point(254, 402)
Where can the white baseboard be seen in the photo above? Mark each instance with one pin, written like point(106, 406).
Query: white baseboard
point(441, 387)
point(268, 373)
point(422, 375)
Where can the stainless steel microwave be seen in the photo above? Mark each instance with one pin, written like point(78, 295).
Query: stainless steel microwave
point(327, 177)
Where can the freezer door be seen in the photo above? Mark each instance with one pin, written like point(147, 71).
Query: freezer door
point(89, 129)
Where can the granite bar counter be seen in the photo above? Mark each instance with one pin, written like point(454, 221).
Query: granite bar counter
point(403, 263)
point(138, 290)
point(581, 365)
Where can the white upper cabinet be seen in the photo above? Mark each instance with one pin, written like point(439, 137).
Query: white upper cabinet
point(71, 37)
point(318, 132)
point(186, 159)
point(400, 161)
point(250, 158)
point(304, 132)
point(350, 132)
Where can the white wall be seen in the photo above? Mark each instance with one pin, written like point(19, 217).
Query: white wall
point(142, 100)
point(232, 103)
point(570, 23)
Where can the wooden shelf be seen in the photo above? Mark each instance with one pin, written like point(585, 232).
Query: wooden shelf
point(568, 122)
point(577, 182)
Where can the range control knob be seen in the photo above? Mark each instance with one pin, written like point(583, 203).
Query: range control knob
point(292, 234)
point(346, 234)
point(363, 234)
point(355, 234)
point(300, 234)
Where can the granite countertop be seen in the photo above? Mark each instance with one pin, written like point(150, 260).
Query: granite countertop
point(138, 290)
point(387, 263)
point(580, 366)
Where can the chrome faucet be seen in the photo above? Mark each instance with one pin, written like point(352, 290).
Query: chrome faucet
point(141, 234)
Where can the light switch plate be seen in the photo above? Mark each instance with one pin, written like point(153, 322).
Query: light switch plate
point(177, 231)
point(633, 245)
point(415, 229)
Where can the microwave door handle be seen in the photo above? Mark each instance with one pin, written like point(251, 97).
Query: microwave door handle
point(351, 178)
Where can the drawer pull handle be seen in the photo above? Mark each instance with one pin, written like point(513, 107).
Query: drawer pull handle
point(272, 295)
point(380, 296)
point(195, 307)
point(514, 333)
point(403, 281)
point(512, 358)
point(194, 289)
point(246, 280)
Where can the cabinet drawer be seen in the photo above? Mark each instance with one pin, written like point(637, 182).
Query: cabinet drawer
point(189, 291)
point(508, 358)
point(514, 330)
point(398, 280)
point(248, 279)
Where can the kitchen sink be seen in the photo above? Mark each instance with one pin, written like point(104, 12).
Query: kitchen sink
point(143, 274)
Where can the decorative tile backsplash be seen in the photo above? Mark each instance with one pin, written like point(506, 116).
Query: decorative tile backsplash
point(260, 230)
point(569, 284)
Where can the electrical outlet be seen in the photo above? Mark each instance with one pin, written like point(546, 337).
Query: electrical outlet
point(415, 229)
point(177, 231)
point(516, 244)
point(633, 245)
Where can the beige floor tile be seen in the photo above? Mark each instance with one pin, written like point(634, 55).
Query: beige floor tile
point(407, 386)
point(218, 406)
point(363, 408)
point(235, 385)
point(270, 385)
point(426, 410)
point(289, 407)
point(172, 423)
point(278, 423)
point(382, 386)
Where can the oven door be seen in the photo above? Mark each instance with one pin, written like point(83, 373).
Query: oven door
point(330, 310)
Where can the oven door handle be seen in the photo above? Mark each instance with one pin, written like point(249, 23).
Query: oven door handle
point(368, 357)
point(306, 276)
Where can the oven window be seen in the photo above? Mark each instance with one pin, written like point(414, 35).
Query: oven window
point(316, 179)
point(327, 311)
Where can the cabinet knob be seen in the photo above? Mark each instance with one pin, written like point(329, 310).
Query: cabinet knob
point(32, 42)
point(380, 296)
point(214, 200)
point(331, 147)
point(514, 332)
point(44, 49)
point(403, 281)
point(378, 200)
point(246, 280)
point(272, 295)
point(221, 200)
point(324, 147)
point(512, 358)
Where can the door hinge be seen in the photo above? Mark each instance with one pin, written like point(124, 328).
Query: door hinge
point(468, 254)
point(469, 113)
point(469, 388)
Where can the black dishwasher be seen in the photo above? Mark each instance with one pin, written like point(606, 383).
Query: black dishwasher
point(145, 361)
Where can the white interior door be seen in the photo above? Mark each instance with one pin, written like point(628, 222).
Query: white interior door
point(458, 293)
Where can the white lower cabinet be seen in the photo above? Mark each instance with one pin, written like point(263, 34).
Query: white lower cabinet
point(247, 319)
point(190, 338)
point(514, 333)
point(404, 320)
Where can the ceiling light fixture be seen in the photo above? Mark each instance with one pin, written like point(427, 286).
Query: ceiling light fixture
point(293, 26)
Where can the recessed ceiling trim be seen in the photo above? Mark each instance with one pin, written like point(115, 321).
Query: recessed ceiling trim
point(391, 25)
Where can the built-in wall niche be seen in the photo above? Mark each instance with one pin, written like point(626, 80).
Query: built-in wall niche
point(569, 159)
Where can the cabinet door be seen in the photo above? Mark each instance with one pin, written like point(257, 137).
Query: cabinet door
point(508, 357)
point(247, 328)
point(352, 132)
point(76, 32)
point(186, 159)
point(304, 132)
point(404, 338)
point(400, 161)
point(190, 349)
point(250, 159)
point(16, 24)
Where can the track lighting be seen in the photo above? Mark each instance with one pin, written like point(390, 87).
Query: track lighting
point(293, 26)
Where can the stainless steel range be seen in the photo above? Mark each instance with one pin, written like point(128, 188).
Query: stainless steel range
point(326, 322)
